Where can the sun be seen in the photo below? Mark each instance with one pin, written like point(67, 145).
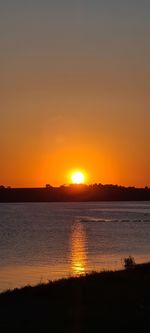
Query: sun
point(77, 177)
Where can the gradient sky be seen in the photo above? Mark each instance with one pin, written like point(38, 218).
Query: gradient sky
point(74, 91)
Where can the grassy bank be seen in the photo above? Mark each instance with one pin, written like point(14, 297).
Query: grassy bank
point(100, 302)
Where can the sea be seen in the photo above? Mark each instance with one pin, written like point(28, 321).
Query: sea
point(40, 242)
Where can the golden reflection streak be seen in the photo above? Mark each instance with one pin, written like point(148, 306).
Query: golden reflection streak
point(78, 249)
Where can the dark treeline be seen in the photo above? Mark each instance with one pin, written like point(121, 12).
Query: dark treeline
point(96, 192)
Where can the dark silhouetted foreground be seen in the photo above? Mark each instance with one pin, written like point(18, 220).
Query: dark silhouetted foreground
point(100, 302)
point(96, 192)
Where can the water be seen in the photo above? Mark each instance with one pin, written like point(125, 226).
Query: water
point(47, 241)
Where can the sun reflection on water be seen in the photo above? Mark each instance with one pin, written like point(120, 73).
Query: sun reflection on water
point(78, 249)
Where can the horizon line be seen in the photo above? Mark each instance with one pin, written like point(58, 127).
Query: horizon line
point(48, 186)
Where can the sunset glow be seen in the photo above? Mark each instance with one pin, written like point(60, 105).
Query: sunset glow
point(78, 177)
point(73, 94)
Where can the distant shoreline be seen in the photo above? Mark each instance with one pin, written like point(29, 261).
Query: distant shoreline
point(74, 193)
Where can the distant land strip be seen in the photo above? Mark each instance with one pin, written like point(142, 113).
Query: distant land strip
point(74, 193)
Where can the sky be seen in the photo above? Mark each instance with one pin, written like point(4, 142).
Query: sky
point(74, 91)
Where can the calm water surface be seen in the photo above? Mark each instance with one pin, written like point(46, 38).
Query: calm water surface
point(47, 241)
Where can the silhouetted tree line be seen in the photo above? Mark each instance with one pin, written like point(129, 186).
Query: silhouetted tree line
point(94, 192)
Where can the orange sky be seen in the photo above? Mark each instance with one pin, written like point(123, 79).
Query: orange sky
point(74, 94)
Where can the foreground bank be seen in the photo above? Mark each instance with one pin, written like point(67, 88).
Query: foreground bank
point(100, 302)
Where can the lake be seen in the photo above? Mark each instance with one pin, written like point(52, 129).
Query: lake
point(47, 241)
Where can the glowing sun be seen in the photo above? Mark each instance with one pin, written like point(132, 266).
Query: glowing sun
point(77, 177)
